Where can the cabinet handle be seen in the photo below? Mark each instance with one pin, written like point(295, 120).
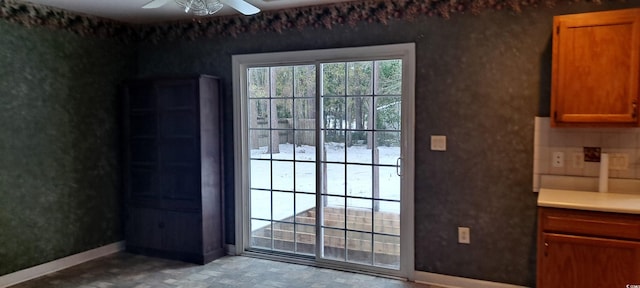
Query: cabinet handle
point(635, 109)
point(546, 246)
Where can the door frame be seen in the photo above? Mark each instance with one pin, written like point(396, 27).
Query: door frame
point(405, 52)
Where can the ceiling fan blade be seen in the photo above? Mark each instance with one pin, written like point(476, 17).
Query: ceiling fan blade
point(242, 6)
point(155, 4)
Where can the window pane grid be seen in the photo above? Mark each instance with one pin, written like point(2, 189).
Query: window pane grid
point(363, 198)
point(348, 230)
point(283, 129)
point(355, 163)
point(293, 97)
point(360, 130)
point(296, 161)
point(278, 100)
point(363, 127)
point(365, 99)
point(297, 192)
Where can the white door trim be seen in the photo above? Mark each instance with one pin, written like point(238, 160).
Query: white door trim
point(406, 52)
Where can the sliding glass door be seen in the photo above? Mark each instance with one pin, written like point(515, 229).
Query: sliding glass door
point(322, 161)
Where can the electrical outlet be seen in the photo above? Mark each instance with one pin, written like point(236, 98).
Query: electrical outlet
point(464, 235)
point(619, 161)
point(558, 159)
point(577, 160)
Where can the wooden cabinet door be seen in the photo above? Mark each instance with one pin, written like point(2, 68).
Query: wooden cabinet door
point(144, 228)
point(586, 262)
point(141, 131)
point(179, 143)
point(595, 71)
point(183, 233)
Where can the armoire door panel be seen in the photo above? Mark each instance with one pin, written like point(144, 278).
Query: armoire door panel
point(182, 123)
point(185, 232)
point(143, 183)
point(179, 150)
point(143, 150)
point(141, 97)
point(144, 228)
point(177, 94)
point(144, 124)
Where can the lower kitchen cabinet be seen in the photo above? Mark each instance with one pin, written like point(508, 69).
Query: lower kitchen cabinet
point(587, 249)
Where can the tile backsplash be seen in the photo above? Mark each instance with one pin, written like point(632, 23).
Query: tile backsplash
point(571, 141)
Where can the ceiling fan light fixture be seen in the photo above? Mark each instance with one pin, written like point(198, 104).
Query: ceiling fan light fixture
point(206, 7)
point(200, 7)
point(213, 6)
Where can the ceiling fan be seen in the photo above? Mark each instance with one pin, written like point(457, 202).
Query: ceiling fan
point(207, 7)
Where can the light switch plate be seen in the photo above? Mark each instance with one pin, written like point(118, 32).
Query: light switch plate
point(438, 143)
point(464, 235)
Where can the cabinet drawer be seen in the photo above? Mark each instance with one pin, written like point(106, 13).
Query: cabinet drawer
point(610, 225)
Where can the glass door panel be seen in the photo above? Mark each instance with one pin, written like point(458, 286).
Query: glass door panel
point(282, 143)
point(361, 133)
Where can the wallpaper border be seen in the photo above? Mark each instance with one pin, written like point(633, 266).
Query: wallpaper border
point(324, 16)
point(33, 15)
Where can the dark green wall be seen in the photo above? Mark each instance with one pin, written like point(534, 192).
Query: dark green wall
point(480, 80)
point(59, 143)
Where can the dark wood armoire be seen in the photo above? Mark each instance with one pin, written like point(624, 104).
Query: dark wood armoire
point(173, 168)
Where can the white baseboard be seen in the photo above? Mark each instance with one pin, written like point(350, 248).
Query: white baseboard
point(66, 262)
point(57, 265)
point(457, 282)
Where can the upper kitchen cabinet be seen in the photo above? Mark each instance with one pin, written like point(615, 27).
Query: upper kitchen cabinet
point(595, 69)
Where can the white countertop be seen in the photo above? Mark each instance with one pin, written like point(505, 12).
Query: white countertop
point(593, 201)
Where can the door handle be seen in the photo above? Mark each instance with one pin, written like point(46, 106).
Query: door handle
point(398, 168)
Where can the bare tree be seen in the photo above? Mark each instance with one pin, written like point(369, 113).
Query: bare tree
point(254, 124)
point(274, 148)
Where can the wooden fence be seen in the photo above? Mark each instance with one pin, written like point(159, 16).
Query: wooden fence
point(303, 134)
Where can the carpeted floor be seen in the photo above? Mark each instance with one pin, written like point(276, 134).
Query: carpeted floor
point(128, 270)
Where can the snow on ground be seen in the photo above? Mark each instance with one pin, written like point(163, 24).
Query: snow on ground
point(357, 178)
